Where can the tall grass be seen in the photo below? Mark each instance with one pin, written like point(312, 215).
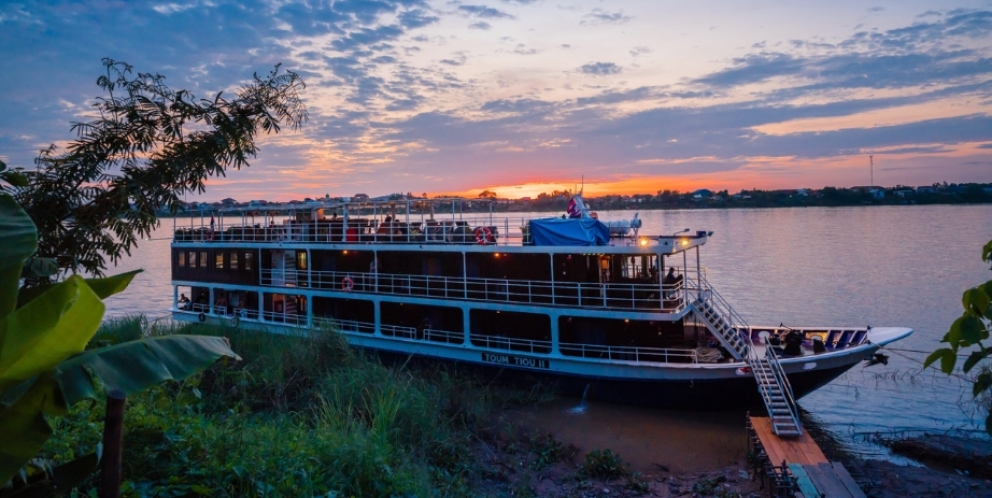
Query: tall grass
point(300, 416)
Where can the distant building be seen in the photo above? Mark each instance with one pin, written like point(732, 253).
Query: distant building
point(360, 197)
point(926, 189)
point(229, 202)
point(876, 192)
point(702, 194)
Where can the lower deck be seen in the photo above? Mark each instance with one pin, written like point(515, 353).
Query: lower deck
point(621, 337)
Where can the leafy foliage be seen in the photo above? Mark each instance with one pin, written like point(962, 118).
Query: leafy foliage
point(301, 416)
point(149, 146)
point(969, 331)
point(604, 464)
point(43, 335)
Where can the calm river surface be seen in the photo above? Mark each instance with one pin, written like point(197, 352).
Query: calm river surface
point(851, 266)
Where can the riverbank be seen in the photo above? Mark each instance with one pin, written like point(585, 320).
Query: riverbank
point(310, 416)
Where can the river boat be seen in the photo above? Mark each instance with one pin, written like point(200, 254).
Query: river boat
point(585, 304)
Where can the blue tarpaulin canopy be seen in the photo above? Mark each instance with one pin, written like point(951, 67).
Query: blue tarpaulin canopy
point(569, 232)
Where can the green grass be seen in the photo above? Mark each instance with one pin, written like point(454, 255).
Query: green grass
point(300, 416)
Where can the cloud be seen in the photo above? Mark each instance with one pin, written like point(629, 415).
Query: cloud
point(638, 51)
point(484, 12)
point(600, 68)
point(367, 36)
point(480, 25)
point(600, 16)
point(518, 106)
point(522, 49)
point(413, 19)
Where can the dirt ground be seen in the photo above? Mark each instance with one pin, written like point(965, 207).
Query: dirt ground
point(547, 454)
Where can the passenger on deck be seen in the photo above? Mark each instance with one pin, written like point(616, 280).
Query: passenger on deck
point(184, 303)
point(221, 302)
point(669, 284)
point(793, 343)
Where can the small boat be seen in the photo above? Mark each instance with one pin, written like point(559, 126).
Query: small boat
point(572, 300)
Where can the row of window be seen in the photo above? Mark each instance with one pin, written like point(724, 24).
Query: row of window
point(232, 260)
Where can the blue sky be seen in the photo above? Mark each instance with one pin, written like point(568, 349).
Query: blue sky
point(524, 96)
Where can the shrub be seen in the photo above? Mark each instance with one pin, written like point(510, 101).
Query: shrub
point(604, 464)
point(300, 416)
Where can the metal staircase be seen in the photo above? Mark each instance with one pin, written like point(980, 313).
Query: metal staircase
point(773, 385)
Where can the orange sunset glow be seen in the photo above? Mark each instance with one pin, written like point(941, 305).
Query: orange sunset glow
point(524, 97)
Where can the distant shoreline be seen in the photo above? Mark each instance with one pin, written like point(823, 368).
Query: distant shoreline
point(511, 206)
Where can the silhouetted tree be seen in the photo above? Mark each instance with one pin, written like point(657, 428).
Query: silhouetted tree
point(149, 146)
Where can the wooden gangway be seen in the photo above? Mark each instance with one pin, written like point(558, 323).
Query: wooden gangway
point(798, 467)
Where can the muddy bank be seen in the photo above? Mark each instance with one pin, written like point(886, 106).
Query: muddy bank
point(542, 451)
point(888, 480)
point(955, 453)
point(521, 463)
point(647, 438)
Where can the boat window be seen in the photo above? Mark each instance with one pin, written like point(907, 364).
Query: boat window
point(248, 260)
point(182, 259)
point(203, 259)
point(233, 260)
point(219, 260)
point(301, 260)
point(192, 259)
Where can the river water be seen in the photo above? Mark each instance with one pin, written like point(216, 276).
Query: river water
point(850, 266)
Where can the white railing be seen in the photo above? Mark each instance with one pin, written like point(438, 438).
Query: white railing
point(464, 231)
point(344, 325)
point(511, 344)
point(486, 230)
point(669, 298)
point(740, 326)
point(628, 353)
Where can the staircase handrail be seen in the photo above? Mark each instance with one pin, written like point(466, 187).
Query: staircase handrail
point(737, 323)
point(735, 320)
point(783, 381)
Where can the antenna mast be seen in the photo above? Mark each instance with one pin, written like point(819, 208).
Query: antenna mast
point(871, 162)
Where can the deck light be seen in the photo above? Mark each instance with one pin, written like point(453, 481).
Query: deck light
point(643, 242)
point(685, 242)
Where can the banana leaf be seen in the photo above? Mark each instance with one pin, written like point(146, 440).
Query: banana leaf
point(104, 287)
point(136, 365)
point(51, 328)
point(20, 240)
point(129, 367)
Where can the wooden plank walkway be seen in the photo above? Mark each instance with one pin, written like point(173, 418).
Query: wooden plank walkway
point(814, 475)
point(802, 449)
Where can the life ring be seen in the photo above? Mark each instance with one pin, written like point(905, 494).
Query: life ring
point(483, 236)
point(201, 317)
point(347, 284)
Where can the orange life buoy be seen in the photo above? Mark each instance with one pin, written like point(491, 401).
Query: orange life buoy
point(483, 236)
point(347, 284)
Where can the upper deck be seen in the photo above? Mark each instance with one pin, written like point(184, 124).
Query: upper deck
point(434, 222)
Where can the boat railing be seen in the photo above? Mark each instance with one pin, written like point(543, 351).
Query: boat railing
point(283, 317)
point(462, 231)
point(668, 298)
point(511, 344)
point(628, 353)
point(344, 325)
point(497, 343)
point(740, 326)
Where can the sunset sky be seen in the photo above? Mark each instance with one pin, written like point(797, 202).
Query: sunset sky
point(525, 96)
